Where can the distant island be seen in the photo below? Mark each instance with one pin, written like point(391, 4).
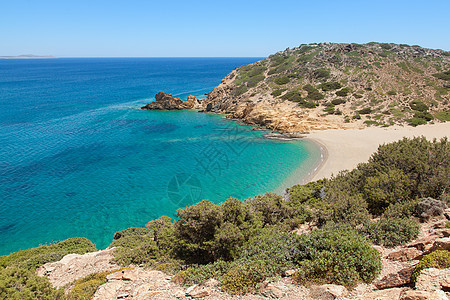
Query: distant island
point(28, 56)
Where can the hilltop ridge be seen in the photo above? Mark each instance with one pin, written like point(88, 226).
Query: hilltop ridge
point(329, 86)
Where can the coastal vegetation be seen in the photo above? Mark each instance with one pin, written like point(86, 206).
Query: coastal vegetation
point(243, 243)
point(367, 80)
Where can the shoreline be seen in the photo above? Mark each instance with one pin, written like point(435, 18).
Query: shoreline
point(344, 149)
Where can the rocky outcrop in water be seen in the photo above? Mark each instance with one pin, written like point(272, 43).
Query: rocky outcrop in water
point(168, 102)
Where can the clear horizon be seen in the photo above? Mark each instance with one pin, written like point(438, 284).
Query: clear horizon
point(205, 29)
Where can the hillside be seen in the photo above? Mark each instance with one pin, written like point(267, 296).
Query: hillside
point(326, 85)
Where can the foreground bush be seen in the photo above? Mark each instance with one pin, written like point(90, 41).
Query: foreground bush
point(22, 284)
point(439, 259)
point(391, 232)
point(336, 255)
point(35, 257)
point(86, 287)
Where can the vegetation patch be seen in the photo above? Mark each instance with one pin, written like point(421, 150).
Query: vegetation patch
point(282, 80)
point(391, 232)
point(313, 93)
point(330, 86)
point(439, 259)
point(278, 92)
point(443, 75)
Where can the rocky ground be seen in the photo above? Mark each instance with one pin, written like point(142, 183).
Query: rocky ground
point(394, 282)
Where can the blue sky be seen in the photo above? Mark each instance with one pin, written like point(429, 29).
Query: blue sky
point(212, 28)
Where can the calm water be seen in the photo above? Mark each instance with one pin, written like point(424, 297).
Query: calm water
point(78, 158)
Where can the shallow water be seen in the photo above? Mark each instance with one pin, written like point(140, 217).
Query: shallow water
point(78, 158)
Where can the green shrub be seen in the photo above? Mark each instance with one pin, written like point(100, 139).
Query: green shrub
point(35, 257)
point(311, 191)
point(365, 111)
point(357, 96)
point(443, 75)
point(439, 259)
point(22, 284)
point(336, 255)
point(423, 115)
point(416, 121)
point(252, 82)
point(241, 279)
point(293, 96)
point(337, 101)
point(418, 106)
point(277, 92)
point(391, 232)
point(239, 90)
point(86, 287)
point(282, 80)
point(274, 210)
point(330, 86)
point(401, 210)
point(443, 116)
point(196, 275)
point(321, 74)
point(343, 92)
point(313, 93)
point(391, 93)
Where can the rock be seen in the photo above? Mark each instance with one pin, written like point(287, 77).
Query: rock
point(168, 102)
point(440, 244)
point(423, 295)
point(328, 291)
point(397, 279)
point(127, 274)
point(193, 102)
point(405, 254)
point(274, 290)
point(209, 107)
point(75, 266)
point(387, 294)
point(289, 273)
point(211, 283)
point(433, 279)
point(198, 291)
point(423, 244)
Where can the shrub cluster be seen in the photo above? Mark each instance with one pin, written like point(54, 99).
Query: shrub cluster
point(282, 80)
point(313, 93)
point(439, 259)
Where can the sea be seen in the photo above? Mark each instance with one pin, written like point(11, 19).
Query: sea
point(78, 158)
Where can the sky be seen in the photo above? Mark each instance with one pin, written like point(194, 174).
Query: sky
point(245, 28)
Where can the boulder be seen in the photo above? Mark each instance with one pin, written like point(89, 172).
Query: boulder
point(328, 291)
point(422, 295)
point(274, 290)
point(387, 294)
point(433, 279)
point(396, 279)
point(289, 273)
point(423, 244)
point(75, 266)
point(198, 291)
point(168, 102)
point(405, 254)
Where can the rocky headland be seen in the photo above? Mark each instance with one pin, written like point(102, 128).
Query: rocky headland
point(332, 86)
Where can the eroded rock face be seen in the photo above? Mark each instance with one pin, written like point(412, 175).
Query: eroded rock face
point(75, 266)
point(168, 102)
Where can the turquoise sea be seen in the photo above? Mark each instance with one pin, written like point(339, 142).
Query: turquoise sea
point(78, 158)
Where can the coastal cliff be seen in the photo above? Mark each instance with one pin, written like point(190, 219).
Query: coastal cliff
point(331, 86)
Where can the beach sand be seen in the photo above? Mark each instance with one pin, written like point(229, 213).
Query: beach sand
point(344, 149)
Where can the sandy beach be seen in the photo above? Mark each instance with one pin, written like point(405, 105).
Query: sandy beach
point(344, 149)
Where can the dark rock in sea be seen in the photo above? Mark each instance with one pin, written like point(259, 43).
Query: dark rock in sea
point(168, 102)
point(208, 107)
